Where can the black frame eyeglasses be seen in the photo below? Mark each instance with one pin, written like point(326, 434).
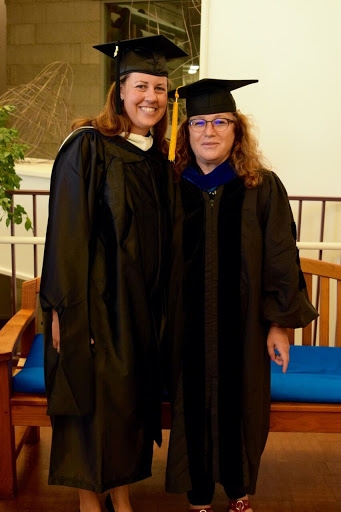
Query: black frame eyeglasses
point(220, 124)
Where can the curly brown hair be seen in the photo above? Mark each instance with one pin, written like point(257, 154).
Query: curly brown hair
point(246, 157)
point(109, 123)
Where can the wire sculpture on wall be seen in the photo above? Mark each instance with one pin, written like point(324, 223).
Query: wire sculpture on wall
point(42, 113)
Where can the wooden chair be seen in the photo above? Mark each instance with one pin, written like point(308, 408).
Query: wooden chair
point(315, 417)
point(27, 410)
point(18, 409)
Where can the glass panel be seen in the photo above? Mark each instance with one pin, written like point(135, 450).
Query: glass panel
point(178, 20)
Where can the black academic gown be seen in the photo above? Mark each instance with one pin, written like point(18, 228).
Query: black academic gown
point(241, 272)
point(103, 272)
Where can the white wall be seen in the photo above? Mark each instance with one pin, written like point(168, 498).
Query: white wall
point(294, 48)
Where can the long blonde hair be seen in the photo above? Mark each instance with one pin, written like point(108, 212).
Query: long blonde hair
point(246, 157)
point(109, 123)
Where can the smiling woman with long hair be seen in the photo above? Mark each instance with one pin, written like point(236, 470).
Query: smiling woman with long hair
point(104, 279)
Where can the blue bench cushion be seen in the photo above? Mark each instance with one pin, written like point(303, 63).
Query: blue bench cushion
point(31, 378)
point(313, 375)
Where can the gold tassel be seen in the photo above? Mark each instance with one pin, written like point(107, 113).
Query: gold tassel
point(174, 129)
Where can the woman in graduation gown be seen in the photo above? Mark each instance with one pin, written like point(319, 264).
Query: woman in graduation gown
point(103, 281)
point(240, 288)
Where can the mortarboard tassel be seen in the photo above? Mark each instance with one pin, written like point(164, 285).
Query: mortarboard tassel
point(174, 129)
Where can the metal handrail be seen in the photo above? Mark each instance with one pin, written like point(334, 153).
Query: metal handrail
point(323, 201)
point(34, 240)
point(12, 239)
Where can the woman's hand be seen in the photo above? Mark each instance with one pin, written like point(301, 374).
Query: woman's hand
point(278, 339)
point(55, 331)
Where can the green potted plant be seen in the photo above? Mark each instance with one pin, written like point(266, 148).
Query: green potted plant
point(11, 150)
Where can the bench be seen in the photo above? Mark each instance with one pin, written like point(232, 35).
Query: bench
point(18, 409)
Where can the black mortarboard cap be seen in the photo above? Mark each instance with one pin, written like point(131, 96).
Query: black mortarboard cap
point(141, 55)
point(210, 95)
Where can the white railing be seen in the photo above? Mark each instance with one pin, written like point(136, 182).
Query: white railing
point(29, 240)
point(40, 240)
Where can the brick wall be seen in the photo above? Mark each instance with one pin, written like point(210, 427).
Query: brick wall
point(40, 32)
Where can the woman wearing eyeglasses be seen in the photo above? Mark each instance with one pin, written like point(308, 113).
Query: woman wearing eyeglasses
point(239, 289)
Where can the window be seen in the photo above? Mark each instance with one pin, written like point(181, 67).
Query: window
point(179, 20)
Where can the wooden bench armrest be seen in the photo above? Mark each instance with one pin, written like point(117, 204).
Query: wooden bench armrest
point(12, 331)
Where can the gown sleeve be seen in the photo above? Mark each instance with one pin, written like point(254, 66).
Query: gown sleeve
point(285, 299)
point(69, 375)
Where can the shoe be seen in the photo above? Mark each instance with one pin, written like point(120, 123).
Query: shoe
point(239, 505)
point(205, 509)
point(108, 503)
